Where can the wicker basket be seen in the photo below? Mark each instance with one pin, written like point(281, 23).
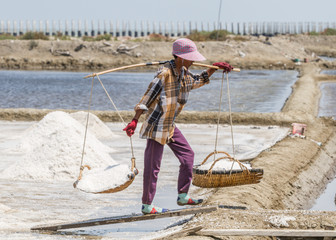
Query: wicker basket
point(220, 178)
point(131, 177)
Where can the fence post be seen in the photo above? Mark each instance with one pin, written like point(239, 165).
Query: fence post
point(160, 28)
point(2, 27)
point(86, 28)
point(122, 33)
point(172, 30)
point(142, 29)
point(92, 29)
point(72, 28)
point(129, 32)
point(79, 30)
point(135, 30)
point(46, 30)
point(20, 28)
point(117, 29)
point(111, 28)
point(98, 28)
point(14, 33)
point(147, 28)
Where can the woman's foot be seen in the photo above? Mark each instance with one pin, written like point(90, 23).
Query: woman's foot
point(185, 199)
point(150, 209)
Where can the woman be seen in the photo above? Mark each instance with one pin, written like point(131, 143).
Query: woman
point(163, 101)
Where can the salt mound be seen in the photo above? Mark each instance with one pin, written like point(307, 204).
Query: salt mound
point(99, 180)
point(4, 208)
point(53, 150)
point(223, 165)
point(95, 126)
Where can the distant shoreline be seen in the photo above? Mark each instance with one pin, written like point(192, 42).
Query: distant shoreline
point(249, 52)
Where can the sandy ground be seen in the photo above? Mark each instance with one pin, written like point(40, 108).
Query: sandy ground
point(295, 169)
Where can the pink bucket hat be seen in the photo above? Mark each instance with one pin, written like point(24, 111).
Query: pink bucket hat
point(186, 49)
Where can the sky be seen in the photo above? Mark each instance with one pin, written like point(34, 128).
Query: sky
point(170, 10)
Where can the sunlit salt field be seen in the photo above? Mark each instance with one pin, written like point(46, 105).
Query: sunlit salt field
point(33, 199)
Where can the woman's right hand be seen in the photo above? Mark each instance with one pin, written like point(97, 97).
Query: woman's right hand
point(130, 128)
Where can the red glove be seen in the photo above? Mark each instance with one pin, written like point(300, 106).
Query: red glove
point(223, 65)
point(130, 128)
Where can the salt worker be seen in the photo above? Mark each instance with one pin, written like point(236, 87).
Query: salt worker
point(164, 99)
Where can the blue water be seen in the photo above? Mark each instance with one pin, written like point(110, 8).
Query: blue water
point(327, 200)
point(329, 59)
point(329, 72)
point(251, 90)
point(327, 105)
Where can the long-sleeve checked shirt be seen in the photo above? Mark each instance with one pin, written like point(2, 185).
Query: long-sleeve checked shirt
point(164, 100)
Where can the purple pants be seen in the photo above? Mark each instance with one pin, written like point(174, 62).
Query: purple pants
point(153, 157)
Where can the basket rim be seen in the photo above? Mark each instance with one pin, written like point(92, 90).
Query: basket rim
point(203, 172)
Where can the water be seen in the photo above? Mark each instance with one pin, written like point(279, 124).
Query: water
point(327, 200)
point(327, 105)
point(329, 72)
point(329, 59)
point(251, 91)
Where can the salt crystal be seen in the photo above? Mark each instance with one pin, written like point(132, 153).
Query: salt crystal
point(4, 208)
point(281, 221)
point(224, 165)
point(102, 179)
point(95, 125)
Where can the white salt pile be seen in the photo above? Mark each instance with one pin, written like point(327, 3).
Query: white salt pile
point(4, 208)
point(223, 165)
point(95, 126)
point(281, 221)
point(53, 150)
point(99, 180)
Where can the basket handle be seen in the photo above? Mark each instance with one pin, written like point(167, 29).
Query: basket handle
point(215, 152)
point(244, 168)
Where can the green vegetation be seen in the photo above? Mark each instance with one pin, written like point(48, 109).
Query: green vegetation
point(157, 37)
point(326, 32)
point(329, 32)
point(313, 34)
point(60, 36)
point(32, 44)
point(220, 35)
point(6, 36)
point(34, 36)
point(105, 37)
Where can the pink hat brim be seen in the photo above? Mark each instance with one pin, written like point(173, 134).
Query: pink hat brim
point(192, 56)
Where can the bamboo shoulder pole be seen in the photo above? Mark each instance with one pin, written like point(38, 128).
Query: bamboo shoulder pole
point(149, 64)
point(126, 67)
point(211, 66)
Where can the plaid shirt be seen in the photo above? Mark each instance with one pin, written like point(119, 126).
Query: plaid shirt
point(164, 100)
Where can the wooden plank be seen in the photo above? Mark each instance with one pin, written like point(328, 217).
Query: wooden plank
point(180, 234)
point(268, 232)
point(125, 218)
